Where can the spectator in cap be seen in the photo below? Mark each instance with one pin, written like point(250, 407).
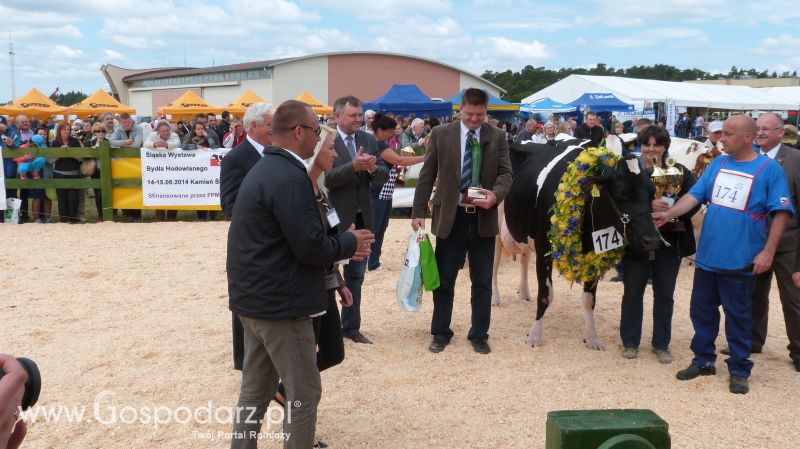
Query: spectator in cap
point(790, 136)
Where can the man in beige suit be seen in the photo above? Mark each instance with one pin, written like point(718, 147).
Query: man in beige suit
point(463, 227)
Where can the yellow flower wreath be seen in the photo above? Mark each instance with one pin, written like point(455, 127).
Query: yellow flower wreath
point(566, 231)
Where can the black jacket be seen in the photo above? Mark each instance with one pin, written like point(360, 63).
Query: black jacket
point(594, 134)
point(683, 241)
point(277, 247)
point(235, 166)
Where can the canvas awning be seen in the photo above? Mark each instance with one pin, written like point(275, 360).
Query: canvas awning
point(188, 105)
point(318, 107)
point(407, 98)
point(642, 91)
point(33, 104)
point(239, 105)
point(98, 103)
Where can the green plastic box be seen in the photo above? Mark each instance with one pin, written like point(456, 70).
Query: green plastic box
point(591, 429)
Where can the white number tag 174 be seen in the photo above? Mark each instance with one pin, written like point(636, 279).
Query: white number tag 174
point(606, 240)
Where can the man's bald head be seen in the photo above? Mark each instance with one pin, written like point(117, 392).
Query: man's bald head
point(738, 132)
point(295, 128)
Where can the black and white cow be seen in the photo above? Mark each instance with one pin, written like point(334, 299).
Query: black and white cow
point(626, 194)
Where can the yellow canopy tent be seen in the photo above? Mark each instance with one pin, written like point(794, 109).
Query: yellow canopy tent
point(33, 104)
point(238, 106)
point(188, 105)
point(97, 103)
point(315, 104)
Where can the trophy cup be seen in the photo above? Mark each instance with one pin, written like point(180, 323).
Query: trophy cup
point(474, 191)
point(667, 182)
point(402, 170)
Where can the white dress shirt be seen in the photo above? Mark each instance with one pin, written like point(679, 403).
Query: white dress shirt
point(771, 153)
point(464, 131)
point(256, 145)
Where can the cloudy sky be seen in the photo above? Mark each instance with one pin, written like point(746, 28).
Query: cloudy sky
point(64, 43)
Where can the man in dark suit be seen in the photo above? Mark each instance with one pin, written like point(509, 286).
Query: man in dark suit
point(769, 136)
point(277, 253)
point(235, 166)
point(356, 167)
point(463, 227)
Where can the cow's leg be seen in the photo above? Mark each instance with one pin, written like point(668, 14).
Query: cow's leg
point(523, 291)
point(590, 338)
point(498, 253)
point(544, 269)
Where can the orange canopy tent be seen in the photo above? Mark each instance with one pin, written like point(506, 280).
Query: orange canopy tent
point(188, 105)
point(315, 104)
point(97, 103)
point(33, 104)
point(238, 106)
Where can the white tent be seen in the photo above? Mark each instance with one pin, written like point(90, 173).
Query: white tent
point(639, 91)
point(788, 93)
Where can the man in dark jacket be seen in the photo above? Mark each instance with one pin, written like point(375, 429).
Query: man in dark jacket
point(277, 251)
point(235, 166)
point(591, 130)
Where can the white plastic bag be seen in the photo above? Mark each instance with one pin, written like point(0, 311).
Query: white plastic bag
point(12, 210)
point(409, 285)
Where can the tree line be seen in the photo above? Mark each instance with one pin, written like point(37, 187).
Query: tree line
point(519, 85)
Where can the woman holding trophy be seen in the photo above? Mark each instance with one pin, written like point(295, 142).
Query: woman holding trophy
point(672, 181)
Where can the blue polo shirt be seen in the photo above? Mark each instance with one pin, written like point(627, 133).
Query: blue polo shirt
point(739, 195)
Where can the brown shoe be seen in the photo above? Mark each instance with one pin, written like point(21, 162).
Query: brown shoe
point(358, 337)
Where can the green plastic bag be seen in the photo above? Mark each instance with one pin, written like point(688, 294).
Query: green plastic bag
point(427, 262)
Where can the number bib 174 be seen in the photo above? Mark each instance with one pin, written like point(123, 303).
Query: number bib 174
point(732, 189)
point(606, 240)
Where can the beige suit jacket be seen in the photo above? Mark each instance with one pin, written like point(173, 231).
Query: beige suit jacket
point(443, 168)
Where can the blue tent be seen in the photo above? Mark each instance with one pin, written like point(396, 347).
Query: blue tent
point(546, 105)
point(495, 104)
point(407, 98)
point(602, 102)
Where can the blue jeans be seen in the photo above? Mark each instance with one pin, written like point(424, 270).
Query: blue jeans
point(665, 271)
point(353, 278)
point(734, 292)
point(381, 210)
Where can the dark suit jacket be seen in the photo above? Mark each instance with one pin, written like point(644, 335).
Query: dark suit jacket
point(235, 166)
point(789, 159)
point(443, 167)
point(348, 190)
point(277, 245)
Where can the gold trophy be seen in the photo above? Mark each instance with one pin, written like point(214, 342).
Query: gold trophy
point(667, 182)
point(402, 170)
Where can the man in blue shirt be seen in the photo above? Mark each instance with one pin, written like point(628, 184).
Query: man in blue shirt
point(741, 189)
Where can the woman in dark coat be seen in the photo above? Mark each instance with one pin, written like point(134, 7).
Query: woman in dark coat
point(663, 263)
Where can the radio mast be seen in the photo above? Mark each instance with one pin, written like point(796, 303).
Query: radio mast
point(11, 67)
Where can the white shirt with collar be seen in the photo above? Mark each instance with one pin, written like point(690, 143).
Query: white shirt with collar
point(772, 153)
point(256, 145)
point(464, 131)
point(344, 138)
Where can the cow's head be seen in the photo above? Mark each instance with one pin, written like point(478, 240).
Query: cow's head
point(625, 202)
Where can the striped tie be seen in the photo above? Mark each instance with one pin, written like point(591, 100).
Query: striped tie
point(466, 165)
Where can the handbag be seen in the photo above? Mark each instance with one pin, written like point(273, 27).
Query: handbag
point(428, 266)
point(88, 166)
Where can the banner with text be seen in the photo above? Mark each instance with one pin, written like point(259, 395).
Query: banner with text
point(181, 178)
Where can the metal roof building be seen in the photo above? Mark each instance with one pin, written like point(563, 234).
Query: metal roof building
point(326, 76)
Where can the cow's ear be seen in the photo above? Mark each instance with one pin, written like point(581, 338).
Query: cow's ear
point(633, 164)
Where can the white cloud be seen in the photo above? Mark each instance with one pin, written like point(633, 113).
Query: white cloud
point(657, 36)
point(380, 11)
point(580, 41)
point(67, 52)
point(113, 55)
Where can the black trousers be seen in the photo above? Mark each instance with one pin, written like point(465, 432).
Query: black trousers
point(67, 201)
point(450, 256)
point(98, 197)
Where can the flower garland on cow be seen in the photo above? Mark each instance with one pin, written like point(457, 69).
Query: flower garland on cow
point(566, 232)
